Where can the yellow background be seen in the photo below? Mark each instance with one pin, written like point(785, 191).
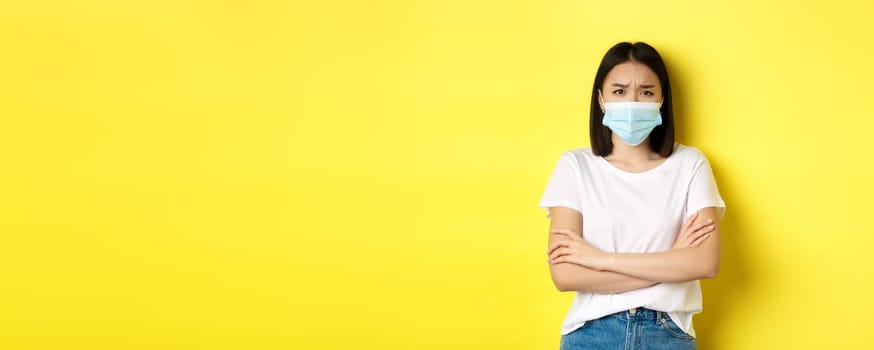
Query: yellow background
point(339, 174)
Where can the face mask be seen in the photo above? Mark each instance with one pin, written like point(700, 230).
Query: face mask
point(632, 121)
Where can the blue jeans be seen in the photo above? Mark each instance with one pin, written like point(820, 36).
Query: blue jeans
point(638, 329)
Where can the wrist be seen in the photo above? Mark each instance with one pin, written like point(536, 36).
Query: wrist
point(605, 261)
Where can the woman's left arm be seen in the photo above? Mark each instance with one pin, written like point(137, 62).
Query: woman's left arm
point(675, 265)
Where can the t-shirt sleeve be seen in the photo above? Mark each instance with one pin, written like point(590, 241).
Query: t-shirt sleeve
point(563, 188)
point(703, 191)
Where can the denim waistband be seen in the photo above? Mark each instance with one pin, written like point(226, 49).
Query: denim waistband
point(641, 313)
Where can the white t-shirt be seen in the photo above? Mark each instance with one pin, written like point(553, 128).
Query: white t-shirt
point(627, 212)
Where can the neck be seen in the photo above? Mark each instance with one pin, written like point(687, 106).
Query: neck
point(631, 154)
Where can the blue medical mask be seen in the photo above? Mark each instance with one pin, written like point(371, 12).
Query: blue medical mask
point(632, 121)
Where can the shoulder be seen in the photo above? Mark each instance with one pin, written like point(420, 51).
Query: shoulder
point(689, 158)
point(581, 160)
point(688, 153)
point(579, 154)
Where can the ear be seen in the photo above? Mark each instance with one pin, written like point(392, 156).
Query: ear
point(601, 100)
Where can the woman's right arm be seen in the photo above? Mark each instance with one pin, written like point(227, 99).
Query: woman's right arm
point(572, 277)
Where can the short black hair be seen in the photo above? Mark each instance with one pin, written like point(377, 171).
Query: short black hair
point(661, 139)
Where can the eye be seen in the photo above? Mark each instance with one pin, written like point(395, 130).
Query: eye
point(648, 93)
point(618, 92)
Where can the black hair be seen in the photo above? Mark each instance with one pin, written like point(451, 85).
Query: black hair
point(661, 139)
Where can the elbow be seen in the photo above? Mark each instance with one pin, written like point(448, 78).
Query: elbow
point(710, 271)
point(562, 281)
point(709, 274)
point(566, 284)
point(560, 285)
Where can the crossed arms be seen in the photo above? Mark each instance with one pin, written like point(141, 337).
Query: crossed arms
point(575, 265)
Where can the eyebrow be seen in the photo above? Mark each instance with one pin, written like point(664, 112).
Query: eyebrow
point(643, 86)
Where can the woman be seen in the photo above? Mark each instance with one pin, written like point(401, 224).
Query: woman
point(634, 220)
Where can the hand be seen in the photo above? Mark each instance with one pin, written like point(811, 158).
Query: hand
point(694, 232)
point(574, 249)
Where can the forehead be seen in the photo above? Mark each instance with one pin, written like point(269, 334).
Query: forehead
point(631, 72)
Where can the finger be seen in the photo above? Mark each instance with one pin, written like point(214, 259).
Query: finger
point(552, 247)
point(558, 260)
point(689, 235)
point(701, 231)
point(687, 227)
point(702, 224)
point(693, 237)
point(562, 243)
point(559, 239)
point(705, 229)
point(696, 236)
point(690, 220)
point(685, 233)
point(559, 252)
point(699, 240)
